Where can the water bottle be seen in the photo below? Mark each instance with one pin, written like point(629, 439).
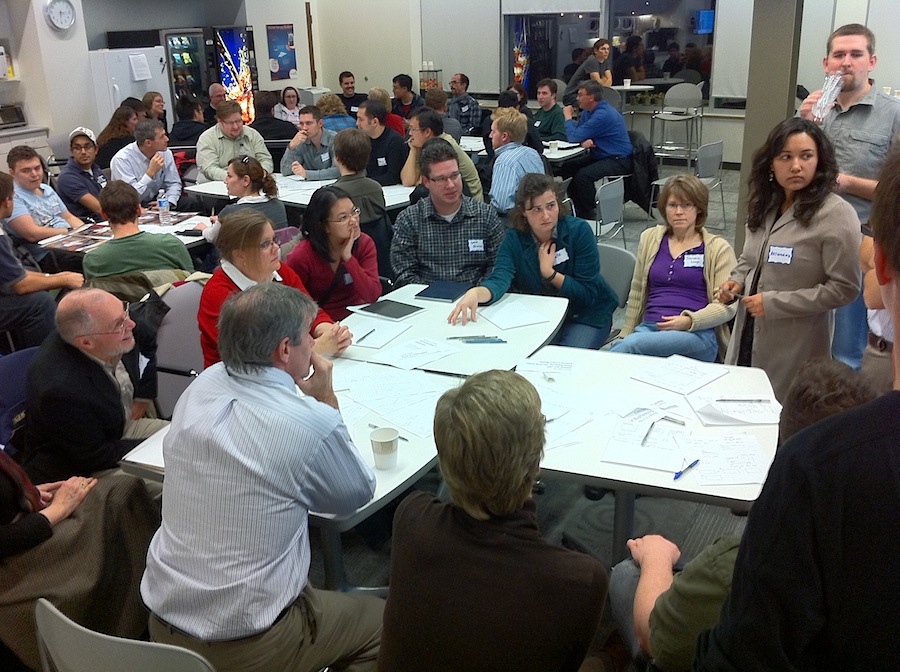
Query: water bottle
point(162, 202)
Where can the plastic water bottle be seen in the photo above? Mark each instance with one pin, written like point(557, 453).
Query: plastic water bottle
point(162, 202)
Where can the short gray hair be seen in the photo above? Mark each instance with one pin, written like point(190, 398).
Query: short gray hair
point(592, 88)
point(253, 322)
point(146, 130)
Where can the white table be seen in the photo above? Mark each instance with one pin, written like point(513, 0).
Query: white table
point(597, 374)
point(472, 144)
point(297, 192)
point(416, 456)
point(475, 145)
point(471, 358)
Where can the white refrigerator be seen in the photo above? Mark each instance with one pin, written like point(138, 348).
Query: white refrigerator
point(120, 73)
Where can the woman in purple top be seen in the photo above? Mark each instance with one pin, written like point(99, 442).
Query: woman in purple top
point(673, 306)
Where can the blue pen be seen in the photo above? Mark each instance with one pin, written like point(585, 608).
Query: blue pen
point(484, 340)
point(679, 474)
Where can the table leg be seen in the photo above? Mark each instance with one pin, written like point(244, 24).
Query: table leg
point(623, 524)
point(333, 560)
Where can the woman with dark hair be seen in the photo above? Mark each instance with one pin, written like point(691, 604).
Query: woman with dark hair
point(118, 133)
point(289, 107)
point(255, 188)
point(800, 258)
point(335, 260)
point(522, 95)
point(552, 253)
point(250, 255)
point(673, 306)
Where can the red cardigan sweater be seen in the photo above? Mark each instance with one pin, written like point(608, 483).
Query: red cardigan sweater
point(219, 288)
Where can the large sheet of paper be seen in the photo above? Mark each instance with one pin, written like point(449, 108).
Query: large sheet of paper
point(680, 374)
point(732, 459)
point(509, 313)
point(714, 409)
point(415, 353)
point(375, 333)
point(644, 439)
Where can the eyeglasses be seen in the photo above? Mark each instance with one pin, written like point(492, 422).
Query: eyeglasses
point(552, 206)
point(683, 206)
point(237, 122)
point(346, 217)
point(413, 129)
point(454, 81)
point(121, 325)
point(82, 148)
point(266, 244)
point(441, 179)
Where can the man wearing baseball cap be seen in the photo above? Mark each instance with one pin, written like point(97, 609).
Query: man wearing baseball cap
point(81, 180)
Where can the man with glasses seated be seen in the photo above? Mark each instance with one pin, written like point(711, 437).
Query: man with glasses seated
point(86, 394)
point(463, 107)
point(81, 179)
point(311, 152)
point(447, 236)
point(228, 139)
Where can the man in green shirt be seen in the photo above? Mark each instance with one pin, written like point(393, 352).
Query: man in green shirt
point(549, 120)
point(132, 250)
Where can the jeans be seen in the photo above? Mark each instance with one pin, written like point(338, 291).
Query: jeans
point(30, 316)
point(850, 333)
point(576, 335)
point(647, 339)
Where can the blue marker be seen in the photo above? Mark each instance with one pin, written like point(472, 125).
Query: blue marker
point(679, 474)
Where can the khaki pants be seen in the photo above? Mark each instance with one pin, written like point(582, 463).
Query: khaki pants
point(322, 628)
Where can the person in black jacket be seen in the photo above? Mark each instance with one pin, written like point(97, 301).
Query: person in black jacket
point(80, 383)
point(190, 124)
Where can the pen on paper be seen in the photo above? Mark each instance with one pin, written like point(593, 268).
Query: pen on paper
point(374, 426)
point(741, 400)
point(465, 338)
point(670, 418)
point(649, 429)
point(679, 474)
point(483, 340)
point(368, 333)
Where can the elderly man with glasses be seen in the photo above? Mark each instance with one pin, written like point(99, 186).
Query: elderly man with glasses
point(87, 393)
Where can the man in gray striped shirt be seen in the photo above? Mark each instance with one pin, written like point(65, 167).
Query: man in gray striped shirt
point(247, 457)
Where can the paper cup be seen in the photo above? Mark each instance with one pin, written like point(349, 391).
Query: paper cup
point(667, 75)
point(385, 443)
point(626, 82)
point(554, 146)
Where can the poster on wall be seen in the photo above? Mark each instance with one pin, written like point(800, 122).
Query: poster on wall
point(282, 57)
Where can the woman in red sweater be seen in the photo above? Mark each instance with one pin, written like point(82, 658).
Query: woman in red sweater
point(250, 255)
point(337, 262)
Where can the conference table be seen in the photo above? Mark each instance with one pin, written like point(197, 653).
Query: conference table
point(566, 150)
point(294, 191)
point(90, 236)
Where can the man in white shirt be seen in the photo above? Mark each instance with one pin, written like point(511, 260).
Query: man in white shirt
point(247, 458)
point(147, 164)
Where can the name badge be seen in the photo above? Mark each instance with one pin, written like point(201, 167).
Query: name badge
point(537, 123)
point(382, 161)
point(693, 261)
point(326, 157)
point(476, 245)
point(348, 280)
point(561, 256)
point(464, 108)
point(354, 108)
point(779, 254)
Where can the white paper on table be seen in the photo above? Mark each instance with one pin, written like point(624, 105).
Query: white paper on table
point(559, 432)
point(508, 313)
point(542, 365)
point(643, 439)
point(680, 374)
point(713, 409)
point(351, 411)
point(412, 354)
point(416, 416)
point(554, 404)
point(733, 459)
point(382, 332)
point(675, 405)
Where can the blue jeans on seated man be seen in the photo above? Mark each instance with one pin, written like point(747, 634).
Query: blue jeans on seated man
point(576, 335)
point(851, 331)
point(647, 339)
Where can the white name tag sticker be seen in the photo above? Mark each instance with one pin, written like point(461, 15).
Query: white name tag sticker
point(354, 108)
point(326, 157)
point(348, 279)
point(561, 256)
point(476, 245)
point(779, 254)
point(382, 161)
point(537, 122)
point(693, 261)
point(464, 108)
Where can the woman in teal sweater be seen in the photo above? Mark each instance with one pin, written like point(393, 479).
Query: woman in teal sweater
point(548, 252)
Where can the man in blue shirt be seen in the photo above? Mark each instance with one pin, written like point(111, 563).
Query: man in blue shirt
point(513, 160)
point(81, 180)
point(601, 130)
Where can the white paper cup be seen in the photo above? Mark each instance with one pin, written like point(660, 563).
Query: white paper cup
point(626, 82)
point(385, 444)
point(554, 146)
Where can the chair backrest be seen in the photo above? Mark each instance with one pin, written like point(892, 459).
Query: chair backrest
point(65, 646)
point(610, 201)
point(13, 380)
point(617, 268)
point(612, 97)
point(709, 159)
point(683, 96)
point(689, 76)
point(562, 190)
point(560, 88)
point(179, 357)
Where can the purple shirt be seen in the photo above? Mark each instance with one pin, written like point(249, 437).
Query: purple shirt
point(675, 284)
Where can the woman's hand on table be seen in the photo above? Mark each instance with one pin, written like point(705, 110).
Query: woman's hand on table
point(754, 305)
point(675, 323)
point(728, 290)
point(332, 338)
point(465, 309)
point(65, 497)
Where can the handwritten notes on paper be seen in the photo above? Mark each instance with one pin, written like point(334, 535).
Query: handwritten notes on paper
point(733, 459)
point(680, 374)
point(643, 439)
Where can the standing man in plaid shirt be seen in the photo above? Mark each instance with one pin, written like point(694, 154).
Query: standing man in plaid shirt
point(464, 108)
point(447, 236)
